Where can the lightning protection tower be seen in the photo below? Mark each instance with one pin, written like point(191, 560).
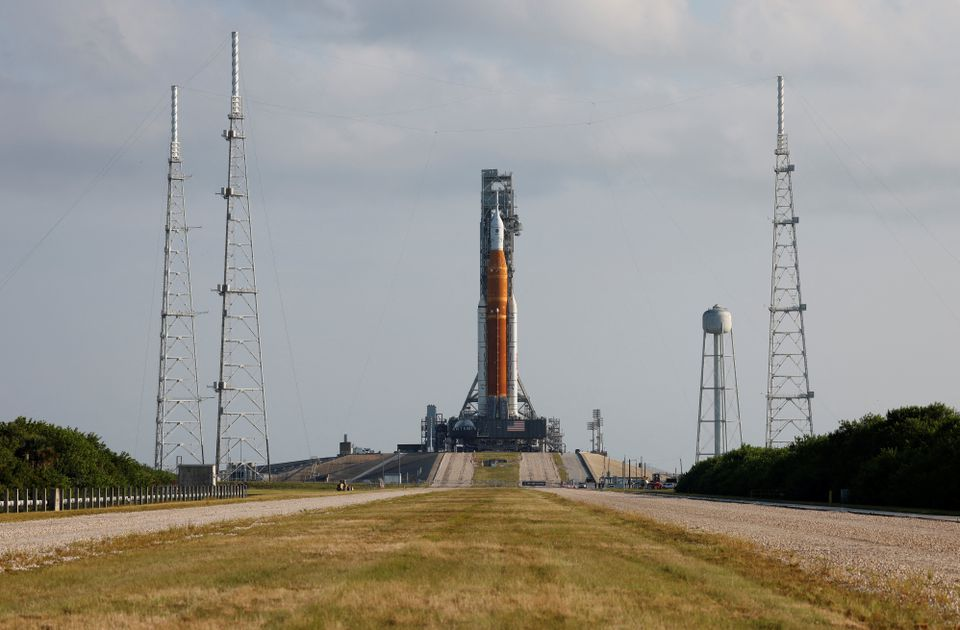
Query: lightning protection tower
point(595, 427)
point(179, 436)
point(243, 449)
point(788, 381)
point(722, 410)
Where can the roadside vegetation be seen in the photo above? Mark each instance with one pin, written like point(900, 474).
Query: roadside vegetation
point(37, 454)
point(907, 458)
point(477, 558)
point(503, 469)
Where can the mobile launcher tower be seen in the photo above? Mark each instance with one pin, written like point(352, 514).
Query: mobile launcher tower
point(497, 413)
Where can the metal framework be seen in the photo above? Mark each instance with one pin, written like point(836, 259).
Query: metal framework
point(789, 413)
point(243, 448)
point(179, 436)
point(428, 428)
point(595, 427)
point(554, 441)
point(714, 419)
point(497, 193)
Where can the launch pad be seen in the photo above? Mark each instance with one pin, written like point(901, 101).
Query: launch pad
point(497, 413)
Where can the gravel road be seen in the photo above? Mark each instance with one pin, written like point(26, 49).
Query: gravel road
point(44, 535)
point(860, 549)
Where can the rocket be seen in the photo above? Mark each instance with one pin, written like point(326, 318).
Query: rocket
point(497, 333)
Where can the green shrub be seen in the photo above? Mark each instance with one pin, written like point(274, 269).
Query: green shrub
point(910, 457)
point(37, 454)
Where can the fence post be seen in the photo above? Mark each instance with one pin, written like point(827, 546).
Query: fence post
point(16, 504)
point(6, 500)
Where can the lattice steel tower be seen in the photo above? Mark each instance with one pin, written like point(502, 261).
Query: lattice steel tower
point(179, 437)
point(595, 427)
point(788, 380)
point(243, 449)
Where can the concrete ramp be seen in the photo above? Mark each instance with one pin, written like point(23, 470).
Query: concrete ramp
point(600, 466)
point(574, 467)
point(455, 471)
point(536, 468)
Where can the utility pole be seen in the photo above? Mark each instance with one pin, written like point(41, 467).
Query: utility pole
point(788, 380)
point(241, 409)
point(179, 434)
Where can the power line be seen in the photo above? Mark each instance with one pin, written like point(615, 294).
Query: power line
point(870, 170)
point(283, 305)
point(874, 208)
point(138, 131)
point(408, 223)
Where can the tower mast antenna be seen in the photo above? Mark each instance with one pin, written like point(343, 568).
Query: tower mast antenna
point(788, 380)
point(243, 448)
point(179, 435)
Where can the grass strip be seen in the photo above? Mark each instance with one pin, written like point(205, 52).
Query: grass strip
point(506, 472)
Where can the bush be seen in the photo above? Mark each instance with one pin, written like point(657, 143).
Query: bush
point(37, 454)
point(909, 458)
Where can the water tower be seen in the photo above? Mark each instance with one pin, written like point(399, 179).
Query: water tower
point(719, 402)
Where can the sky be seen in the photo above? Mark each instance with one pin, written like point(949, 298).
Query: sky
point(640, 136)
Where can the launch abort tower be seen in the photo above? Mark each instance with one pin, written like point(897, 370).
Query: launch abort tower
point(497, 413)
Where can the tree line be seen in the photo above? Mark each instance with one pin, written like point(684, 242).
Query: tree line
point(909, 457)
point(37, 454)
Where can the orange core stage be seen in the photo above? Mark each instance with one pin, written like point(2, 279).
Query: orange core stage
point(497, 324)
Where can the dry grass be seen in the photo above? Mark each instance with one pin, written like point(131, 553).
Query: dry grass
point(478, 558)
